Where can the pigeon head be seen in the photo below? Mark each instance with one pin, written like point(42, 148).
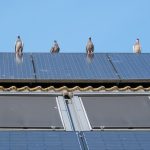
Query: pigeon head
point(90, 38)
point(18, 37)
point(55, 41)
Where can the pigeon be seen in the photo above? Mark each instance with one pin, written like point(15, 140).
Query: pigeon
point(137, 46)
point(55, 48)
point(19, 45)
point(89, 46)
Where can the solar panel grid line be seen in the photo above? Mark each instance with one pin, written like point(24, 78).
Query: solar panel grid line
point(113, 61)
point(58, 67)
point(5, 64)
point(141, 65)
point(92, 69)
point(43, 64)
point(126, 69)
point(78, 69)
point(53, 63)
point(53, 66)
point(109, 68)
point(63, 68)
point(103, 63)
point(136, 66)
point(71, 67)
point(102, 60)
point(145, 60)
point(129, 66)
point(85, 67)
point(116, 73)
point(3, 72)
point(74, 69)
point(46, 64)
point(35, 61)
point(106, 66)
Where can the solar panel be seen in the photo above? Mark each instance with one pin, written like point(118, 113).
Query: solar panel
point(132, 66)
point(29, 111)
point(14, 68)
point(74, 67)
point(117, 111)
point(118, 140)
point(39, 140)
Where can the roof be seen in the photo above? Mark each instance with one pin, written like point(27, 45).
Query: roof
point(70, 101)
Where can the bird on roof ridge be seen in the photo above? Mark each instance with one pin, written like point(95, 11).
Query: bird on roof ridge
point(19, 45)
point(55, 48)
point(137, 46)
point(90, 47)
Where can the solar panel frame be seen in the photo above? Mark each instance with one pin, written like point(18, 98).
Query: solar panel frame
point(132, 67)
point(73, 67)
point(13, 71)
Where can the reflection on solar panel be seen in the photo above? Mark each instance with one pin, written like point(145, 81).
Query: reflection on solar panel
point(29, 111)
point(118, 111)
point(73, 67)
point(12, 68)
point(38, 140)
point(132, 66)
point(118, 140)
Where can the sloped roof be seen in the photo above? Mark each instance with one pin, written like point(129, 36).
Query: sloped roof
point(81, 112)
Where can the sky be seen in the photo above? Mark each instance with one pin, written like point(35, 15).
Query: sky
point(113, 25)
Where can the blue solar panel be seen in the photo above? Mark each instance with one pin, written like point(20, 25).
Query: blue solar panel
point(118, 140)
point(39, 140)
point(13, 68)
point(132, 66)
point(73, 67)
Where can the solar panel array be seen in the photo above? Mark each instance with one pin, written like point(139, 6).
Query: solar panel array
point(14, 69)
point(39, 140)
point(118, 140)
point(74, 67)
point(46, 140)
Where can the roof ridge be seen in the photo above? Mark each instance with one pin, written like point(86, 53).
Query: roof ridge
point(73, 89)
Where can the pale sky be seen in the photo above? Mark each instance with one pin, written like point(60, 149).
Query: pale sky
point(113, 25)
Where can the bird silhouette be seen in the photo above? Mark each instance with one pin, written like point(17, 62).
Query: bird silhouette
point(90, 46)
point(137, 46)
point(55, 48)
point(19, 45)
